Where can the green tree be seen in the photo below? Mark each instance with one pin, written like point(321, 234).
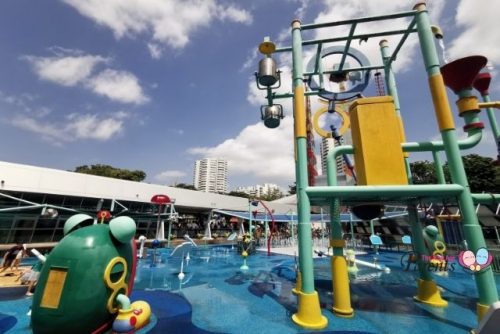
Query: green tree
point(482, 172)
point(113, 172)
point(238, 194)
point(423, 172)
point(184, 186)
point(274, 194)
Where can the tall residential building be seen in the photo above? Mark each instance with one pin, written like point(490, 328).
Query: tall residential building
point(327, 144)
point(260, 190)
point(210, 175)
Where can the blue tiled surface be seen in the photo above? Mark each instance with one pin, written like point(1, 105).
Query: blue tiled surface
point(217, 297)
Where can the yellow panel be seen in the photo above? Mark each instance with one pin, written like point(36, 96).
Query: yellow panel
point(299, 110)
point(54, 287)
point(376, 137)
point(440, 101)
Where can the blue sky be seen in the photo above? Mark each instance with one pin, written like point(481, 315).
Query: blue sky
point(154, 85)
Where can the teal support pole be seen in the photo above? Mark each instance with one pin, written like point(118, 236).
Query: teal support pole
point(390, 82)
point(266, 230)
point(308, 309)
point(304, 208)
point(169, 237)
point(439, 168)
point(493, 122)
point(250, 218)
point(341, 290)
point(485, 280)
point(418, 242)
point(352, 228)
point(335, 222)
point(427, 289)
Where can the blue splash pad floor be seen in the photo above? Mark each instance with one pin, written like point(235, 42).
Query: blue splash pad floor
point(216, 296)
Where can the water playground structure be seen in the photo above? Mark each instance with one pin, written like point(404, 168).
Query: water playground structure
point(86, 280)
point(380, 157)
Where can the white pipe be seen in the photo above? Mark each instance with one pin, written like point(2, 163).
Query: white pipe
point(39, 255)
point(186, 237)
point(142, 240)
point(373, 265)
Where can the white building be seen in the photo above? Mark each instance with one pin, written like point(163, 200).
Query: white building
point(28, 192)
point(326, 145)
point(260, 190)
point(210, 175)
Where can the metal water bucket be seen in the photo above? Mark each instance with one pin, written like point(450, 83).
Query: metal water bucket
point(271, 115)
point(267, 75)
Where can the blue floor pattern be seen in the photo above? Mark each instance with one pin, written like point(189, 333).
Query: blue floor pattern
point(216, 296)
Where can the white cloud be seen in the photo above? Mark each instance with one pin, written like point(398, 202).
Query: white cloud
point(73, 67)
point(169, 22)
point(155, 50)
point(66, 70)
point(479, 35)
point(267, 153)
point(118, 86)
point(233, 14)
point(169, 175)
point(73, 128)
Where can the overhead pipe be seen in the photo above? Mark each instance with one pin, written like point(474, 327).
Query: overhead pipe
point(370, 192)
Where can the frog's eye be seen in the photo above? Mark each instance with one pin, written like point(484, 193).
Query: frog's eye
point(122, 228)
point(77, 221)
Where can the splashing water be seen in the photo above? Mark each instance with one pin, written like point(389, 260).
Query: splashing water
point(443, 50)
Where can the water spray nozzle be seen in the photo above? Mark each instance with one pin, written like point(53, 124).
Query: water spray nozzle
point(438, 33)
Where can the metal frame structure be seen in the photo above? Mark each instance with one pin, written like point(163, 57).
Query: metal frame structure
point(308, 311)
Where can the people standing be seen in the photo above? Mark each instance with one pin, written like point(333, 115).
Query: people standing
point(10, 256)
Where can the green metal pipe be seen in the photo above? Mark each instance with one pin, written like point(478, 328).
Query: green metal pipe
point(358, 20)
point(342, 39)
point(390, 82)
point(346, 49)
point(485, 280)
point(269, 96)
point(418, 242)
point(361, 68)
point(402, 41)
point(474, 137)
point(408, 171)
point(351, 226)
point(170, 224)
point(318, 58)
point(486, 198)
point(335, 221)
point(250, 218)
point(371, 192)
point(291, 95)
point(439, 168)
point(493, 121)
point(303, 206)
